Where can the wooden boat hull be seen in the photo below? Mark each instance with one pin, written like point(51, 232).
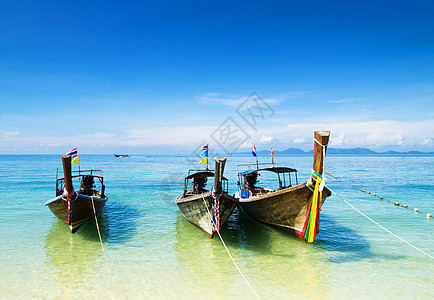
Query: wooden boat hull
point(194, 209)
point(81, 210)
point(286, 209)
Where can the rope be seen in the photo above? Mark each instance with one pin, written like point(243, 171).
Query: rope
point(430, 256)
point(330, 175)
point(323, 164)
point(416, 210)
point(227, 250)
point(103, 251)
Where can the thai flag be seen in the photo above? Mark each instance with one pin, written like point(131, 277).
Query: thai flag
point(74, 155)
point(204, 151)
point(73, 152)
point(254, 151)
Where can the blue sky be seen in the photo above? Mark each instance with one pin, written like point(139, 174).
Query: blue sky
point(162, 76)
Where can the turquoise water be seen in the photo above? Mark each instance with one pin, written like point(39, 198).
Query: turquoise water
point(154, 253)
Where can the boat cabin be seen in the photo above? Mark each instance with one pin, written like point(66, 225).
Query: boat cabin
point(196, 182)
point(247, 180)
point(91, 183)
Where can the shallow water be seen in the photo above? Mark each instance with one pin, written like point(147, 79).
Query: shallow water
point(154, 252)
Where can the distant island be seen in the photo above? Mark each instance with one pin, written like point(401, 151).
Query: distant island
point(351, 151)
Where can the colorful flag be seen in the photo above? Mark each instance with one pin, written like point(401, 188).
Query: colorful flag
point(204, 154)
point(74, 156)
point(254, 151)
point(216, 217)
point(72, 152)
point(272, 152)
point(204, 151)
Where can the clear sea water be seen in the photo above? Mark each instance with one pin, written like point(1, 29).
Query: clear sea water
point(154, 253)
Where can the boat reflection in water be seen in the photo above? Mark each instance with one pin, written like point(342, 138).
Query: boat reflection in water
point(73, 258)
point(262, 253)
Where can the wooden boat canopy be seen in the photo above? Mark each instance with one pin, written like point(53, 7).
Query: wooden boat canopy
point(202, 174)
point(248, 179)
point(82, 174)
point(273, 169)
point(199, 178)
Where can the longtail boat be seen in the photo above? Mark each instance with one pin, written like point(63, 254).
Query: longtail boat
point(293, 208)
point(207, 209)
point(77, 208)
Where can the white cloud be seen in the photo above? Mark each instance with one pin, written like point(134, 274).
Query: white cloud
point(346, 100)
point(370, 134)
point(427, 142)
point(297, 95)
point(237, 100)
point(384, 134)
point(174, 135)
point(338, 142)
point(266, 139)
point(217, 98)
point(301, 140)
point(9, 133)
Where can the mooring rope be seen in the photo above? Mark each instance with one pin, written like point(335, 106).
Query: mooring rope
point(331, 175)
point(416, 210)
point(227, 250)
point(430, 256)
point(103, 251)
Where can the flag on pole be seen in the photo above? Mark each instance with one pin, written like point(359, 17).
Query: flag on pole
point(272, 152)
point(72, 152)
point(204, 154)
point(204, 151)
point(254, 151)
point(74, 156)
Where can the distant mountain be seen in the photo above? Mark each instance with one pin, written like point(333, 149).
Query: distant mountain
point(365, 151)
point(287, 151)
point(292, 151)
point(352, 151)
point(408, 152)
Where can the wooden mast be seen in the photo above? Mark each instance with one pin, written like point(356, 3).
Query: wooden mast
point(321, 137)
point(67, 175)
point(218, 175)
